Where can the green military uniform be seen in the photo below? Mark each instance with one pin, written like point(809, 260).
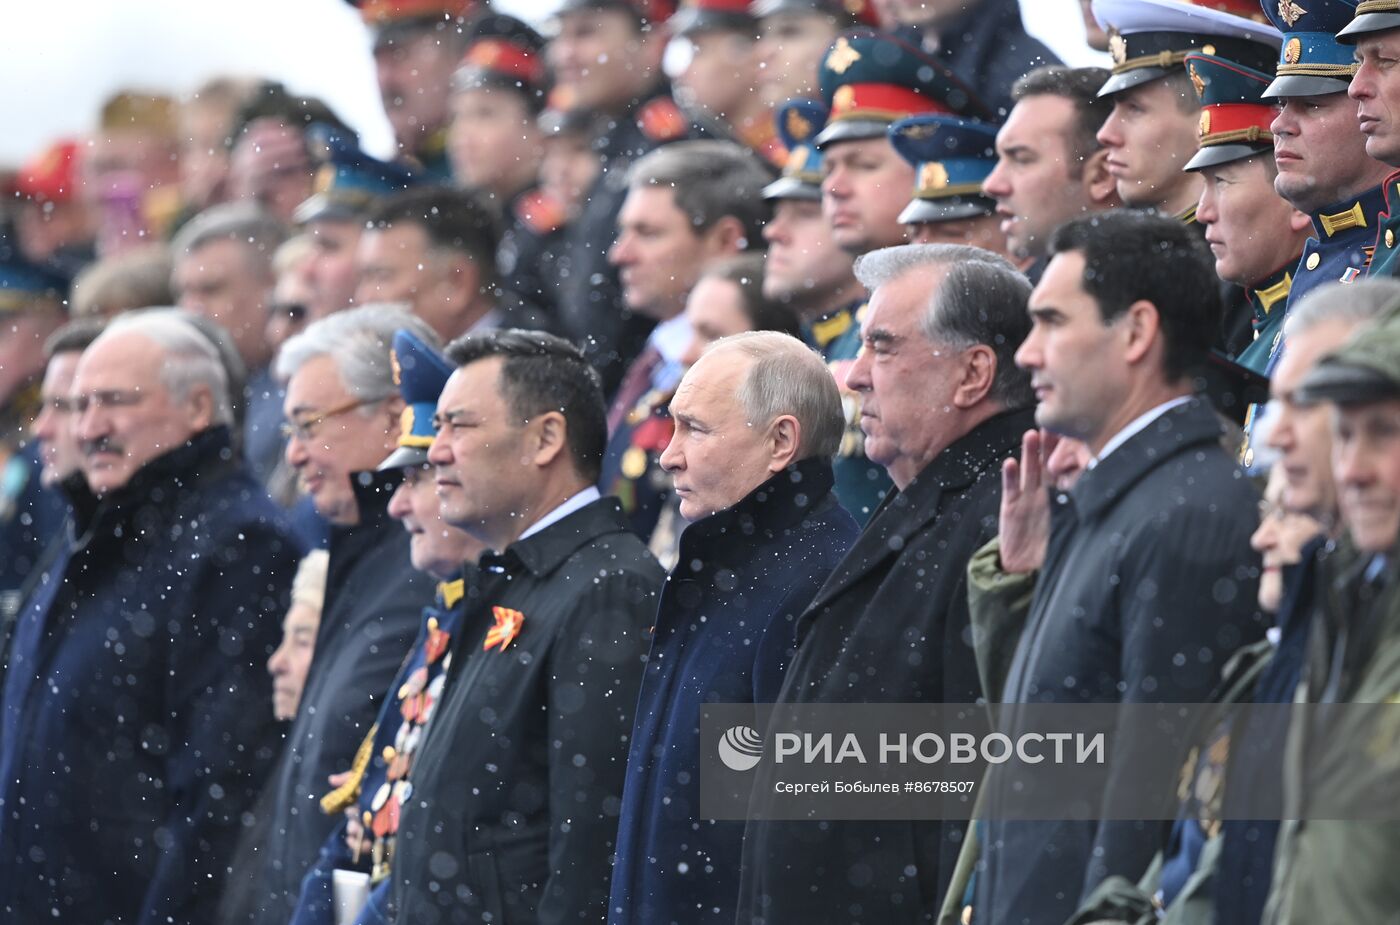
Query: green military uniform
point(1328, 870)
point(1371, 17)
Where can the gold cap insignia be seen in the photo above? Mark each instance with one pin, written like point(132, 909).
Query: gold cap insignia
point(798, 126)
point(1117, 46)
point(842, 56)
point(1293, 51)
point(325, 179)
point(395, 367)
point(1205, 122)
point(1208, 49)
point(932, 176)
point(844, 100)
point(1197, 82)
point(1290, 11)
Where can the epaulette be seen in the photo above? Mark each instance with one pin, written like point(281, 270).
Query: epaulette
point(662, 120)
point(540, 212)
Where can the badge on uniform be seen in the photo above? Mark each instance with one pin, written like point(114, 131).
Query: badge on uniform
point(508, 623)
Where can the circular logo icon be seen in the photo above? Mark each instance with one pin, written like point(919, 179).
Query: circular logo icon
point(741, 748)
point(1293, 51)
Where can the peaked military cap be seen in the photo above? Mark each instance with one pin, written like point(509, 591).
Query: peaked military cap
point(798, 123)
point(348, 181)
point(706, 15)
point(1365, 369)
point(1149, 39)
point(855, 12)
point(1371, 16)
point(1312, 61)
point(503, 52)
point(393, 21)
point(951, 158)
point(420, 372)
point(53, 174)
point(25, 285)
point(1235, 119)
point(870, 79)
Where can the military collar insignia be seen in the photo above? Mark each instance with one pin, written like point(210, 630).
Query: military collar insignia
point(508, 623)
point(450, 592)
point(1270, 296)
point(828, 329)
point(1354, 217)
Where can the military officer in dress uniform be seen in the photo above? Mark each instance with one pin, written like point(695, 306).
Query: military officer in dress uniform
point(1151, 132)
point(793, 36)
point(378, 782)
point(1323, 166)
point(495, 142)
point(806, 269)
point(607, 57)
point(952, 158)
point(417, 45)
point(1375, 33)
point(1255, 235)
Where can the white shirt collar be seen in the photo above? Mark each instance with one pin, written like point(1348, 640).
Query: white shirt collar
point(670, 338)
point(582, 499)
point(1136, 426)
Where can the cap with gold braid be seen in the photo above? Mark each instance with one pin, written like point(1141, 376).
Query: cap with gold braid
point(504, 52)
point(420, 373)
point(1312, 61)
point(870, 79)
point(798, 123)
point(951, 158)
point(1371, 16)
point(1150, 39)
point(1235, 119)
point(348, 181)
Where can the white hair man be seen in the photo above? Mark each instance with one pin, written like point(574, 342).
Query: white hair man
point(134, 696)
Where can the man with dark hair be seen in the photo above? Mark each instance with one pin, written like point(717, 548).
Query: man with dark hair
point(1127, 306)
point(891, 623)
point(1374, 35)
point(1324, 168)
point(434, 250)
point(606, 57)
point(1151, 132)
point(1050, 166)
point(512, 815)
point(417, 46)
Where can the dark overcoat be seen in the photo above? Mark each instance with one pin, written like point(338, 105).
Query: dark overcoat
point(513, 813)
point(1148, 587)
point(137, 708)
point(724, 634)
point(889, 626)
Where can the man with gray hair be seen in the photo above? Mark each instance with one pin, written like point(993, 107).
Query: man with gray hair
point(223, 272)
point(343, 412)
point(942, 405)
point(134, 703)
point(758, 418)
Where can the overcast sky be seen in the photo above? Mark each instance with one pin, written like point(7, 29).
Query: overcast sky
point(58, 61)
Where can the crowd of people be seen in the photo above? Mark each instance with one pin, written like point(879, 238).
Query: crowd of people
point(375, 531)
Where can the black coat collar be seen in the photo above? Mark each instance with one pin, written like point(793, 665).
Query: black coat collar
point(778, 504)
point(1184, 427)
point(543, 552)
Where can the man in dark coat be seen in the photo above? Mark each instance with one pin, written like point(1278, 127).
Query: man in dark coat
point(344, 415)
point(513, 811)
point(891, 623)
point(1149, 582)
point(134, 709)
point(754, 479)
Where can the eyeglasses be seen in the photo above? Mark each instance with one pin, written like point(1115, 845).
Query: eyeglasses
point(104, 399)
point(305, 429)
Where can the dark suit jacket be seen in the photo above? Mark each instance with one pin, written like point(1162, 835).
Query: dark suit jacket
point(889, 626)
point(1148, 587)
point(513, 812)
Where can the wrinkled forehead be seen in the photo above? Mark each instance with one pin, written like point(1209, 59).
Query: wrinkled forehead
point(126, 361)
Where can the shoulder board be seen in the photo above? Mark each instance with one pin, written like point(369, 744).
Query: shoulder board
point(662, 120)
point(539, 212)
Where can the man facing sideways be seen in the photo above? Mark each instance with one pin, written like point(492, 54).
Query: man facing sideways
point(135, 705)
point(512, 815)
point(1050, 166)
point(1127, 305)
point(757, 420)
point(943, 324)
point(343, 416)
point(1375, 35)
